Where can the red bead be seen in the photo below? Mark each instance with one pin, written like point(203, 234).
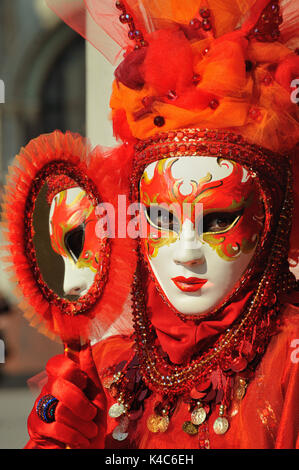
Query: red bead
point(125, 18)
point(206, 25)
point(159, 121)
point(171, 95)
point(205, 13)
point(196, 79)
point(120, 6)
point(214, 104)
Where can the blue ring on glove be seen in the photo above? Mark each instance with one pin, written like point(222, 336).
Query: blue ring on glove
point(46, 407)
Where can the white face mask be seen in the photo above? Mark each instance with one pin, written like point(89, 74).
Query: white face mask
point(199, 252)
point(72, 231)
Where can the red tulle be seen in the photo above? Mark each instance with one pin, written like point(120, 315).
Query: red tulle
point(287, 71)
point(174, 74)
point(98, 22)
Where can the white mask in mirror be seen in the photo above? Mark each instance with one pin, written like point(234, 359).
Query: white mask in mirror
point(72, 223)
point(204, 218)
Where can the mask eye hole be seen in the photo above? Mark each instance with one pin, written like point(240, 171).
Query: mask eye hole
point(219, 222)
point(74, 241)
point(162, 219)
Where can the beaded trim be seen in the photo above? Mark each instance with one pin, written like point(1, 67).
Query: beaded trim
point(134, 34)
point(267, 27)
point(211, 143)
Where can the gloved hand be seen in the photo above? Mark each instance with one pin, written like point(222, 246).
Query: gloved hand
point(78, 414)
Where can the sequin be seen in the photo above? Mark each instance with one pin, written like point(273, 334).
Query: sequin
point(198, 416)
point(119, 435)
point(116, 410)
point(220, 425)
point(157, 423)
point(190, 428)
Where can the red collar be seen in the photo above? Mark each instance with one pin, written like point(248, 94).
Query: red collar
point(182, 339)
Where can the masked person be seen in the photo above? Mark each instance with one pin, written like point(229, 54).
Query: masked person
point(203, 104)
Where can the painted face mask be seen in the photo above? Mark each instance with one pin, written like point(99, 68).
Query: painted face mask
point(72, 223)
point(204, 219)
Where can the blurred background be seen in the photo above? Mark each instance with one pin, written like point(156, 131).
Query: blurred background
point(52, 80)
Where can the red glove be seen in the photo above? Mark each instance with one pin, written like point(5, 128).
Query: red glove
point(80, 414)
